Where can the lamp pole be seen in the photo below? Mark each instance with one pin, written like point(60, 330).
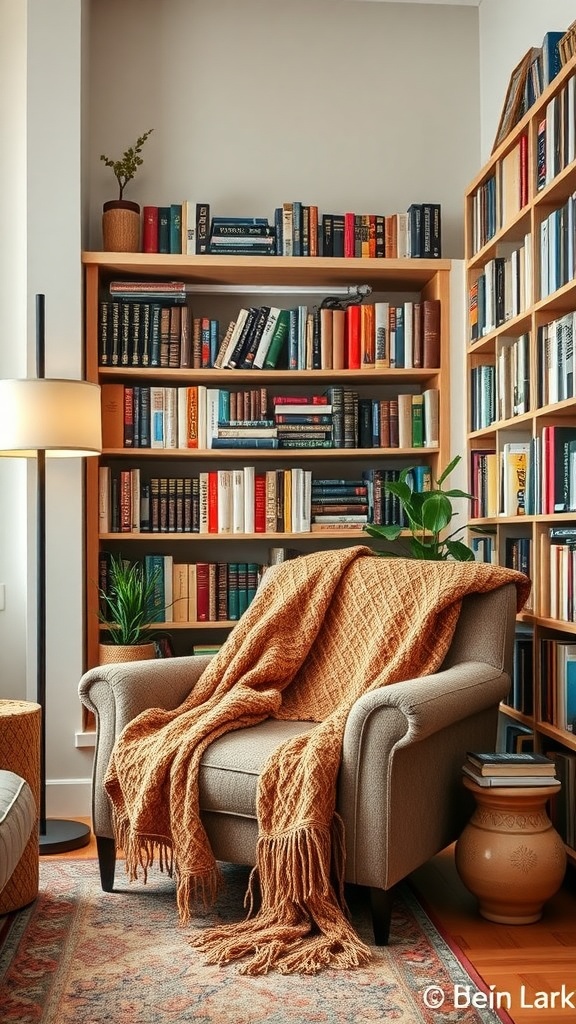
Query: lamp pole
point(56, 835)
point(41, 570)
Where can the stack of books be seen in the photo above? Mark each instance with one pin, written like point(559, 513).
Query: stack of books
point(507, 769)
point(242, 236)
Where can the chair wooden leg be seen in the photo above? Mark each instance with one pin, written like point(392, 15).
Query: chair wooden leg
point(106, 861)
point(381, 904)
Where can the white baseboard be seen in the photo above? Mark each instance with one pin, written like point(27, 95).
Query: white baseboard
point(69, 798)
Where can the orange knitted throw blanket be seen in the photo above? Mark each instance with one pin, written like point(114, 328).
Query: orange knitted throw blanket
point(322, 630)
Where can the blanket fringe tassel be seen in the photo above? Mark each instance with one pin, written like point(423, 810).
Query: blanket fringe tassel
point(301, 926)
point(141, 852)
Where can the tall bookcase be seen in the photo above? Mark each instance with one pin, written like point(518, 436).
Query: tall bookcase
point(520, 258)
point(221, 285)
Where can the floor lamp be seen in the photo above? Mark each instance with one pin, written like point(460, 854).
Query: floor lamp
point(43, 418)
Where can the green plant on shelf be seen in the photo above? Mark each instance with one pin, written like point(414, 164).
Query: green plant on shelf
point(125, 168)
point(428, 515)
point(127, 603)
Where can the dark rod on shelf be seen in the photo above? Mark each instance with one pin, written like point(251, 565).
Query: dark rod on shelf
point(56, 835)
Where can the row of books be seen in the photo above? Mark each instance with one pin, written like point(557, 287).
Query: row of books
point(484, 547)
point(180, 228)
point(517, 554)
point(246, 501)
point(555, 360)
point(556, 142)
point(560, 558)
point(558, 683)
point(153, 332)
point(514, 737)
point(416, 233)
point(501, 390)
point(545, 64)
point(558, 247)
point(534, 477)
point(521, 695)
point(501, 196)
point(197, 591)
point(502, 291)
point(502, 768)
point(297, 229)
point(197, 417)
point(562, 809)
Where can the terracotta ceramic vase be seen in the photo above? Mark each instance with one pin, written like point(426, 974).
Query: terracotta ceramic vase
point(121, 226)
point(509, 855)
point(110, 653)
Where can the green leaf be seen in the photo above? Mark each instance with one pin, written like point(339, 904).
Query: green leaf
point(436, 511)
point(449, 469)
point(399, 488)
point(385, 532)
point(460, 552)
point(457, 493)
point(425, 551)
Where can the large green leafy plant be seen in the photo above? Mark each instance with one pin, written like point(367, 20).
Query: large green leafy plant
point(127, 604)
point(428, 515)
point(125, 168)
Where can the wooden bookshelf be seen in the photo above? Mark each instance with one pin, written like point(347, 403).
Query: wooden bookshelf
point(521, 279)
point(216, 282)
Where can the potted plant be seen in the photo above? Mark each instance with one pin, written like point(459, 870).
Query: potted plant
point(127, 609)
point(121, 217)
point(428, 514)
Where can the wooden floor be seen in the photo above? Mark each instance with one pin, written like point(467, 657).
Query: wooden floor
point(526, 964)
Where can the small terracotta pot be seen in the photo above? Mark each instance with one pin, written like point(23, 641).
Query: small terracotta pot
point(121, 226)
point(108, 654)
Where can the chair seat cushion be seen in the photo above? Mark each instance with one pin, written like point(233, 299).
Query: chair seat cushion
point(17, 817)
point(232, 764)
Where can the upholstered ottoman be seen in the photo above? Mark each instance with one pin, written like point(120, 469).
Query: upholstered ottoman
point(19, 801)
point(18, 816)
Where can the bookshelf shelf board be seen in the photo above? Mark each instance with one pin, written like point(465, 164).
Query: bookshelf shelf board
point(197, 624)
point(562, 298)
point(517, 715)
point(514, 326)
point(242, 454)
point(567, 739)
point(280, 378)
point(306, 271)
point(174, 538)
point(557, 624)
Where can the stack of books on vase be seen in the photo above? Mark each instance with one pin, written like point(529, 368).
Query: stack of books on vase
point(508, 769)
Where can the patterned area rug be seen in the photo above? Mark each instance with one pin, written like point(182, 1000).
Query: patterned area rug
point(81, 956)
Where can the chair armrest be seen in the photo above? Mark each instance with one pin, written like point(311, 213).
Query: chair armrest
point(116, 694)
point(430, 703)
point(138, 685)
point(404, 745)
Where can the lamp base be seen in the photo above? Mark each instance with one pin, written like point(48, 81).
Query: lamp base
point(60, 836)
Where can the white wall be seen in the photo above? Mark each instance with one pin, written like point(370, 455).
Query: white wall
point(508, 28)
point(40, 204)
point(332, 102)
point(338, 102)
point(13, 353)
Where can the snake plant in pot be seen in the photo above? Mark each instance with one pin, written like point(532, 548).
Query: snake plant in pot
point(428, 515)
point(127, 609)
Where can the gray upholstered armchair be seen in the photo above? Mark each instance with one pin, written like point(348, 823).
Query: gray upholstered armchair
point(400, 794)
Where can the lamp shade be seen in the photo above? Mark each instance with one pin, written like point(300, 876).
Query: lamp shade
point(58, 416)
